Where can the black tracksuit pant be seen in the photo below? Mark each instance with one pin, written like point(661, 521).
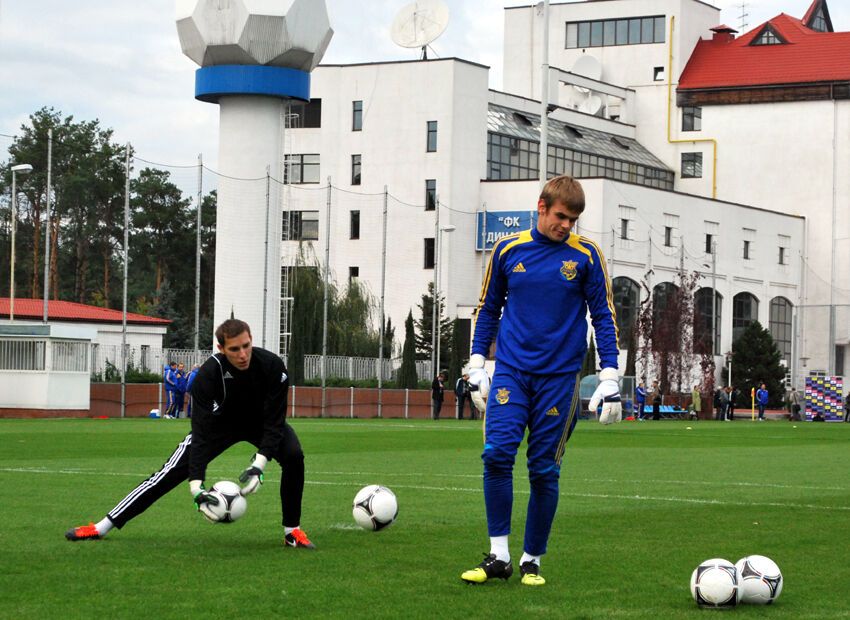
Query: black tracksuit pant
point(176, 470)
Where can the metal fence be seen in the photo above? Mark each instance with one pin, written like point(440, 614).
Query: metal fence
point(359, 368)
point(142, 358)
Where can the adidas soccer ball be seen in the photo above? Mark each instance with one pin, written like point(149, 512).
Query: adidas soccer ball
point(759, 579)
point(375, 507)
point(714, 584)
point(231, 505)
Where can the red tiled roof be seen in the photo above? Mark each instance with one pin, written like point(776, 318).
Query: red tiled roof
point(807, 56)
point(70, 311)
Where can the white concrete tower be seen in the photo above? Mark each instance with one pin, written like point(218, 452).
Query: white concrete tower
point(254, 56)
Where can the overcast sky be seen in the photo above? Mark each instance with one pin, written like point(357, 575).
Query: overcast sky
point(120, 61)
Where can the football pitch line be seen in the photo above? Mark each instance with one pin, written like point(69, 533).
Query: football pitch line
point(453, 489)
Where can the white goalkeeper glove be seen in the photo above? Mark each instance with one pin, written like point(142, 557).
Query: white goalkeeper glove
point(479, 382)
point(608, 393)
point(252, 477)
point(201, 495)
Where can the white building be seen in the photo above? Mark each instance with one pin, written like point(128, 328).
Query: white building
point(447, 147)
point(144, 334)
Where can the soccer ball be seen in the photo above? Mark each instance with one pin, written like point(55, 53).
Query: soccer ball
point(231, 505)
point(714, 583)
point(759, 579)
point(375, 507)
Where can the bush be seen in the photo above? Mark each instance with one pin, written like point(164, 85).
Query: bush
point(112, 374)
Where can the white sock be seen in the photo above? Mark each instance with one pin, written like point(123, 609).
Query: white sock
point(499, 548)
point(527, 557)
point(103, 526)
point(288, 530)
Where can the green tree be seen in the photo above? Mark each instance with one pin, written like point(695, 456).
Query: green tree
point(424, 330)
point(458, 353)
point(755, 360)
point(407, 377)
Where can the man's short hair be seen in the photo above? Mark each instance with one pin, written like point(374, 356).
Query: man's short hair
point(565, 189)
point(230, 329)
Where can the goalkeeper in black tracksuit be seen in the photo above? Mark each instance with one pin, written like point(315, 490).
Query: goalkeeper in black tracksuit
point(239, 394)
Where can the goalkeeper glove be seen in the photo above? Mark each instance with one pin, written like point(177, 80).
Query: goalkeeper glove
point(479, 382)
point(252, 477)
point(608, 393)
point(201, 495)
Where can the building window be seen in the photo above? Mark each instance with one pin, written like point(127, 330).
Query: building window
point(658, 74)
point(301, 168)
point(704, 321)
point(307, 114)
point(782, 257)
point(145, 356)
point(691, 165)
point(353, 274)
point(709, 244)
point(781, 317)
point(745, 310)
point(303, 225)
point(691, 119)
point(356, 116)
point(429, 253)
point(608, 32)
point(768, 36)
point(668, 236)
point(355, 169)
point(746, 249)
point(355, 225)
point(430, 194)
point(626, 305)
point(432, 136)
point(624, 228)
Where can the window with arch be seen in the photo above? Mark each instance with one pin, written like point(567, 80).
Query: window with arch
point(665, 319)
point(704, 320)
point(626, 301)
point(745, 310)
point(781, 311)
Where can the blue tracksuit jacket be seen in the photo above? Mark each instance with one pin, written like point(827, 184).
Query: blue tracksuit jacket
point(541, 291)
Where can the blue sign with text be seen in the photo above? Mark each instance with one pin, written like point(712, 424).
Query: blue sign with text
point(493, 225)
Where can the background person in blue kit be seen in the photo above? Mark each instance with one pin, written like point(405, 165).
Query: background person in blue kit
point(536, 293)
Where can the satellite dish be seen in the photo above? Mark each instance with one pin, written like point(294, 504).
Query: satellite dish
point(591, 105)
point(587, 66)
point(419, 23)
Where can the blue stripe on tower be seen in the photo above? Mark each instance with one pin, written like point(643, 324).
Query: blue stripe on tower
point(214, 82)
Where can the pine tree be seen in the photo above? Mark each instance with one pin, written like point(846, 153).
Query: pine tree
point(458, 353)
point(588, 367)
point(407, 377)
point(755, 360)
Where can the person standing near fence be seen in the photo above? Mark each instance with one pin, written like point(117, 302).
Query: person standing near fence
point(462, 396)
point(189, 381)
point(657, 399)
point(168, 379)
point(240, 394)
point(640, 401)
point(180, 387)
point(437, 394)
point(696, 401)
point(762, 397)
point(733, 402)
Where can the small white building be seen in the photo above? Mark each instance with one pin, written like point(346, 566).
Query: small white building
point(144, 336)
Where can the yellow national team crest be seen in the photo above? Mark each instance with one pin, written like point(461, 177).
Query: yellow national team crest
point(503, 395)
point(568, 269)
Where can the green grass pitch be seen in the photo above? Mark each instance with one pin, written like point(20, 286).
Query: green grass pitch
point(641, 505)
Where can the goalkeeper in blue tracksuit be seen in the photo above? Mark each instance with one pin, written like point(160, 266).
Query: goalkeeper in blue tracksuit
point(536, 293)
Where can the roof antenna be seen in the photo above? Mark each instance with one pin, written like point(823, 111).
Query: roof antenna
point(742, 18)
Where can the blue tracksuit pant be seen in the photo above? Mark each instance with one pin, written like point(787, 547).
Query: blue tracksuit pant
point(547, 405)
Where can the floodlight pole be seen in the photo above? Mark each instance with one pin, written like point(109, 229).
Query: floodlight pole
point(47, 226)
point(544, 99)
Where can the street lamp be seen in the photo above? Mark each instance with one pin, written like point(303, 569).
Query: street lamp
point(23, 169)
